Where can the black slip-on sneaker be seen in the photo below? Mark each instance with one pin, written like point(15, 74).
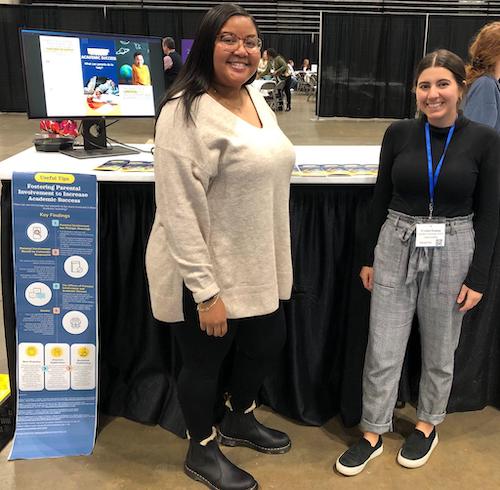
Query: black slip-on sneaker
point(417, 449)
point(354, 460)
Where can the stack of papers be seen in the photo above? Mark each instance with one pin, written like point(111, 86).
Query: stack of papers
point(126, 166)
point(329, 169)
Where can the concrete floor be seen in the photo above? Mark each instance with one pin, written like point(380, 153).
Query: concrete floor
point(131, 456)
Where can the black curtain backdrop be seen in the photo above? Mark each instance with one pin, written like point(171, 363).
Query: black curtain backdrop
point(367, 64)
point(127, 21)
point(319, 372)
point(454, 33)
point(294, 46)
point(12, 92)
point(368, 61)
point(176, 24)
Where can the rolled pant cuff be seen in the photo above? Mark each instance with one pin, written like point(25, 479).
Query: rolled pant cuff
point(380, 429)
point(430, 418)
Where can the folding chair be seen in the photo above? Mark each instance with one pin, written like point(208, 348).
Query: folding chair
point(301, 83)
point(278, 90)
point(313, 83)
point(267, 90)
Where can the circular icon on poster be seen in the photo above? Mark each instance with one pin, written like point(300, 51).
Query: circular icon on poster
point(75, 322)
point(38, 294)
point(56, 352)
point(37, 232)
point(31, 351)
point(83, 352)
point(76, 266)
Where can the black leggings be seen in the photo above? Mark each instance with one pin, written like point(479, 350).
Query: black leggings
point(288, 93)
point(259, 340)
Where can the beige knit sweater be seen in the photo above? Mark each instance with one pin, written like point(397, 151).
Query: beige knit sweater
point(222, 220)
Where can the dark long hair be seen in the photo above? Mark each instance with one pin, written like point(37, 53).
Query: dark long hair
point(444, 59)
point(197, 74)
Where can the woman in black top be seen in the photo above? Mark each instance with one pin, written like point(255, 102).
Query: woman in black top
point(431, 237)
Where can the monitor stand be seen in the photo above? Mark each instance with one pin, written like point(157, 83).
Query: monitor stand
point(95, 142)
point(110, 151)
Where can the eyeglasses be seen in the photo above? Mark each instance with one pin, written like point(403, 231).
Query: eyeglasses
point(231, 42)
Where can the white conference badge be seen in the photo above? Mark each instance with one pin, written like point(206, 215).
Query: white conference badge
point(430, 234)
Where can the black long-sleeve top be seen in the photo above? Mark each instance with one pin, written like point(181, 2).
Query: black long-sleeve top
point(469, 182)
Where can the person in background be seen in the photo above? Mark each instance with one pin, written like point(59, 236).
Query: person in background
point(431, 257)
point(482, 101)
point(306, 65)
point(278, 68)
point(262, 66)
point(293, 84)
point(172, 61)
point(218, 259)
point(140, 71)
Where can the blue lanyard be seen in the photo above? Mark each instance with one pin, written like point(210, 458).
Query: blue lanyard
point(433, 177)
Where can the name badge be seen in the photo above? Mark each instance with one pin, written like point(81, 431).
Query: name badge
point(430, 234)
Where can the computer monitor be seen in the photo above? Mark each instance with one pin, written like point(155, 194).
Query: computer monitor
point(86, 76)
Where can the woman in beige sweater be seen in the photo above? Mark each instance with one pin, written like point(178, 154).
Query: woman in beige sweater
point(218, 259)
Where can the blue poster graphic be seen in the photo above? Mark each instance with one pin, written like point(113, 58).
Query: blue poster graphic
point(98, 60)
point(55, 270)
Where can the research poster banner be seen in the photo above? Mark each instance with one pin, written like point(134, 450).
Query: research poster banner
point(55, 265)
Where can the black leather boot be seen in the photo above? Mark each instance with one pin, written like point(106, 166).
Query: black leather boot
point(209, 466)
point(243, 429)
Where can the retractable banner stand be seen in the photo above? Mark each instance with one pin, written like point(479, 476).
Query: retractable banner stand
point(55, 253)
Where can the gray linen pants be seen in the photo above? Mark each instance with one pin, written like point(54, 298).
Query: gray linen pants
point(407, 278)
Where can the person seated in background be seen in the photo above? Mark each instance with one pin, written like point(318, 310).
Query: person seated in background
point(306, 65)
point(482, 102)
point(262, 66)
point(140, 71)
point(172, 61)
point(291, 65)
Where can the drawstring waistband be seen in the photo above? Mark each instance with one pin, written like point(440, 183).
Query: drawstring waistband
point(419, 258)
point(407, 222)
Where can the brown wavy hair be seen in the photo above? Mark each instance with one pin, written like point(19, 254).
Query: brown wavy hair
point(483, 52)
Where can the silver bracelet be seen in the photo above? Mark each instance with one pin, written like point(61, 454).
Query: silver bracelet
point(205, 307)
